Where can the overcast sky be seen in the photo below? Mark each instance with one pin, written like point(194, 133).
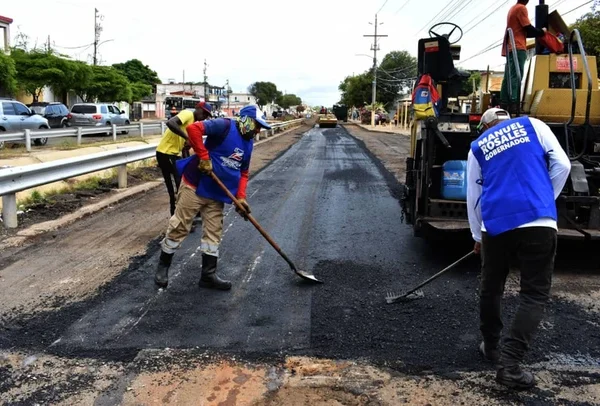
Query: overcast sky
point(305, 47)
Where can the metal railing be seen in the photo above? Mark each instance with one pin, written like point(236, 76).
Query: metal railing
point(27, 136)
point(515, 57)
point(18, 179)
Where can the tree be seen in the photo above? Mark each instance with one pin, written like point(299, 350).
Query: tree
point(107, 84)
point(36, 70)
point(139, 91)
point(288, 100)
point(300, 108)
point(8, 75)
point(395, 73)
point(467, 88)
point(589, 27)
point(80, 77)
point(264, 92)
point(356, 90)
point(136, 72)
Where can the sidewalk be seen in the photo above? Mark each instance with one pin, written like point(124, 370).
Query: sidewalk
point(388, 129)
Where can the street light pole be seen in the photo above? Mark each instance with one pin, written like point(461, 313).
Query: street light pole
point(374, 88)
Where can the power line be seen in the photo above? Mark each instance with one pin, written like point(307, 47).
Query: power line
point(489, 15)
point(578, 7)
point(434, 17)
point(402, 6)
point(384, 3)
point(82, 46)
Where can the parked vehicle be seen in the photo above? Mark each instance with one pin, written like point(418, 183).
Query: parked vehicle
point(15, 116)
point(97, 115)
point(55, 113)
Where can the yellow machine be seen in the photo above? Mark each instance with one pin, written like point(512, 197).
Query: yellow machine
point(559, 89)
point(326, 119)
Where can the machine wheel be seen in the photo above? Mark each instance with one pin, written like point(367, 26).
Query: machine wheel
point(41, 141)
point(126, 131)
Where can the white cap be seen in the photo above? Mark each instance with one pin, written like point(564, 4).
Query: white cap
point(493, 114)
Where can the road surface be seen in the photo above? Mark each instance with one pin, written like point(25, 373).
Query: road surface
point(333, 208)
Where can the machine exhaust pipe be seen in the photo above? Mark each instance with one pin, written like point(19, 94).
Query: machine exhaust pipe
point(541, 20)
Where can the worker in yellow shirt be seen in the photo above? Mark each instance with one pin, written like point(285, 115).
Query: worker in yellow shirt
point(172, 143)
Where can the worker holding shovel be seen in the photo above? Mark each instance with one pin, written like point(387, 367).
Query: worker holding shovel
point(226, 153)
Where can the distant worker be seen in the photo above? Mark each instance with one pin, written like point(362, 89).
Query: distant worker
point(518, 21)
point(515, 171)
point(172, 144)
point(173, 111)
point(227, 151)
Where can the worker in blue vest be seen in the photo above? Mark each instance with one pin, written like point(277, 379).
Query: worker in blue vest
point(515, 171)
point(226, 152)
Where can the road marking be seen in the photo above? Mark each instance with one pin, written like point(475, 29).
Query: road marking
point(251, 268)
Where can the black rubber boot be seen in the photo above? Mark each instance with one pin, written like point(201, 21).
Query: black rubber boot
point(161, 278)
point(514, 377)
point(209, 278)
point(490, 353)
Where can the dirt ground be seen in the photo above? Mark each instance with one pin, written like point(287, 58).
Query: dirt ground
point(45, 274)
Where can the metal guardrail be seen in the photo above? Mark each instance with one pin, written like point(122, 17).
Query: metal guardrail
point(18, 179)
point(27, 136)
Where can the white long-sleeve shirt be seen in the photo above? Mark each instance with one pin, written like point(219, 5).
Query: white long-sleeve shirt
point(560, 166)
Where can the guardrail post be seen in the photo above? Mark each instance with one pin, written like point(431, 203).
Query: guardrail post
point(79, 134)
point(162, 127)
point(122, 176)
point(141, 129)
point(9, 210)
point(257, 136)
point(28, 140)
point(114, 132)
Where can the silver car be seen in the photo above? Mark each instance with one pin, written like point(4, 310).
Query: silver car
point(97, 115)
point(15, 116)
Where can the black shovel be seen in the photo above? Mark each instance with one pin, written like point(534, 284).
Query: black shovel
point(302, 274)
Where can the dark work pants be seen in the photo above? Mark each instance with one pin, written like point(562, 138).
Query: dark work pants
point(166, 163)
point(533, 250)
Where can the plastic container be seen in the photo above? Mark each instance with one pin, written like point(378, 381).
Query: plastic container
point(454, 180)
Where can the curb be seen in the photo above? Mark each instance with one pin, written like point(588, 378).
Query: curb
point(52, 225)
point(375, 131)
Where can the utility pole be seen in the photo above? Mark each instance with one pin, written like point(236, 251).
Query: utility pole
point(205, 82)
point(97, 31)
point(48, 44)
point(228, 90)
point(374, 48)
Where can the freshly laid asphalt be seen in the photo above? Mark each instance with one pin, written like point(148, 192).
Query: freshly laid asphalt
point(334, 210)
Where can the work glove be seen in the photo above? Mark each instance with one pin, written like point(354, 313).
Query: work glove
point(246, 207)
point(205, 166)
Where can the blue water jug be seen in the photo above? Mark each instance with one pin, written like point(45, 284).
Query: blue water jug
point(454, 180)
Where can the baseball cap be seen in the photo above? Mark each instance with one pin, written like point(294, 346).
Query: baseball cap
point(253, 112)
point(493, 114)
point(205, 106)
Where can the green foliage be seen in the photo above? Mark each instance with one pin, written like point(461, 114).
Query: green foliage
point(288, 100)
point(108, 85)
point(8, 74)
point(589, 28)
point(264, 92)
point(36, 69)
point(394, 75)
point(139, 91)
point(467, 88)
point(356, 90)
point(80, 76)
point(137, 72)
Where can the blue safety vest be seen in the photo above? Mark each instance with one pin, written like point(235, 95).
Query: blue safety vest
point(516, 186)
point(230, 154)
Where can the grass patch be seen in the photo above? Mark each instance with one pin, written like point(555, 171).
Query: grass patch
point(138, 170)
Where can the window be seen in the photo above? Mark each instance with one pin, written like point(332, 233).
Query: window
point(8, 109)
point(21, 109)
point(64, 110)
point(103, 109)
point(83, 109)
point(41, 110)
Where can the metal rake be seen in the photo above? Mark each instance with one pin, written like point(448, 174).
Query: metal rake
point(417, 293)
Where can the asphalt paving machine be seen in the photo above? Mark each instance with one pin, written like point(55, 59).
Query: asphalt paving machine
point(559, 89)
point(326, 119)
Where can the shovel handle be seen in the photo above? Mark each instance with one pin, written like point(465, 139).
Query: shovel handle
point(249, 216)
